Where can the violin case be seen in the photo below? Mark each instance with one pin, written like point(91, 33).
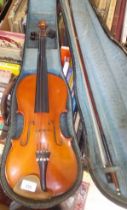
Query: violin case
point(104, 121)
point(105, 68)
point(37, 11)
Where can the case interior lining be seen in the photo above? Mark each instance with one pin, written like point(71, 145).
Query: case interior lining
point(106, 65)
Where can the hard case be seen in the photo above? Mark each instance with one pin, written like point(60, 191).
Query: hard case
point(104, 75)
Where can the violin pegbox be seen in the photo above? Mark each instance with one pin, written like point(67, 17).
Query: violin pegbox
point(43, 26)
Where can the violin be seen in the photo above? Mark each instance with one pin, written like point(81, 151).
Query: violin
point(41, 162)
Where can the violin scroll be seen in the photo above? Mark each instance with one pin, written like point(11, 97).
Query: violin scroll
point(43, 27)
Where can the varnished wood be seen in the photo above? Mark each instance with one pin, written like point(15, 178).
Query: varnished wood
point(42, 151)
point(42, 129)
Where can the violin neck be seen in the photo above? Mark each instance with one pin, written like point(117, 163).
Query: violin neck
point(41, 98)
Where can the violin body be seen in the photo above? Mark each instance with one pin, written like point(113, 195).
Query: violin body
point(41, 165)
point(42, 132)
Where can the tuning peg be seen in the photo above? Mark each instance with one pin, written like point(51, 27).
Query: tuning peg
point(33, 36)
point(51, 33)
